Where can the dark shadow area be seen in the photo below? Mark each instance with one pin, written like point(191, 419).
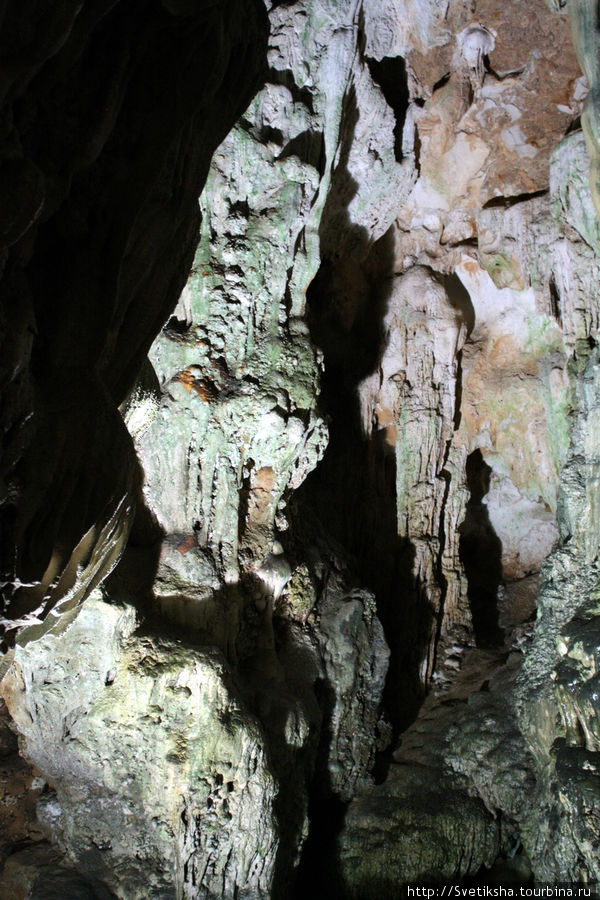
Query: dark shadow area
point(109, 121)
point(506, 202)
point(309, 147)
point(274, 679)
point(134, 575)
point(318, 874)
point(390, 74)
point(480, 551)
point(460, 300)
point(555, 301)
point(512, 870)
point(133, 578)
point(286, 77)
point(352, 492)
point(441, 82)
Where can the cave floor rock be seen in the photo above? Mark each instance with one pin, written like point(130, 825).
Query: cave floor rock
point(449, 807)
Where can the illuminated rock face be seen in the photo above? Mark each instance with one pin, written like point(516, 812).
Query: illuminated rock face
point(162, 777)
point(350, 434)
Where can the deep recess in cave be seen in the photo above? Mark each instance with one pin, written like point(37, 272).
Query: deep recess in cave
point(481, 555)
point(390, 75)
point(353, 489)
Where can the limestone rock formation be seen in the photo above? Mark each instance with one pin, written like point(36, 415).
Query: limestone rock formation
point(110, 114)
point(226, 417)
point(514, 740)
point(161, 777)
point(557, 689)
point(289, 468)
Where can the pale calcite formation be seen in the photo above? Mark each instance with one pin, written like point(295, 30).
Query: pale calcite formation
point(355, 660)
point(454, 214)
point(486, 108)
point(236, 428)
point(557, 691)
point(161, 776)
point(394, 27)
point(520, 737)
point(584, 21)
point(412, 400)
point(62, 590)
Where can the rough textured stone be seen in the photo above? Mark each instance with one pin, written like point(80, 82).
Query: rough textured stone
point(351, 431)
point(41, 873)
point(556, 696)
point(110, 113)
point(226, 428)
point(237, 424)
point(519, 736)
point(309, 170)
point(355, 658)
point(584, 22)
point(161, 777)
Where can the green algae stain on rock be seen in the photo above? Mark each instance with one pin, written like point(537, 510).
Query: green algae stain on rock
point(504, 271)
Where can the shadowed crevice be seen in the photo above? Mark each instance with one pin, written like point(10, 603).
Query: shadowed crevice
point(390, 74)
point(480, 551)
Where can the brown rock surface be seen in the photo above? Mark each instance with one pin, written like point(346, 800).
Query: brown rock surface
point(507, 100)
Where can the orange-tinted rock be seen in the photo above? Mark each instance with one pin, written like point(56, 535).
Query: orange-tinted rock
point(492, 125)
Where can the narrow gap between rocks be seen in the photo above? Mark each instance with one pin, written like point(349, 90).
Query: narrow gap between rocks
point(352, 492)
point(481, 556)
point(390, 74)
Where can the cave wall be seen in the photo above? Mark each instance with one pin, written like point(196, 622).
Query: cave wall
point(111, 112)
point(363, 427)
